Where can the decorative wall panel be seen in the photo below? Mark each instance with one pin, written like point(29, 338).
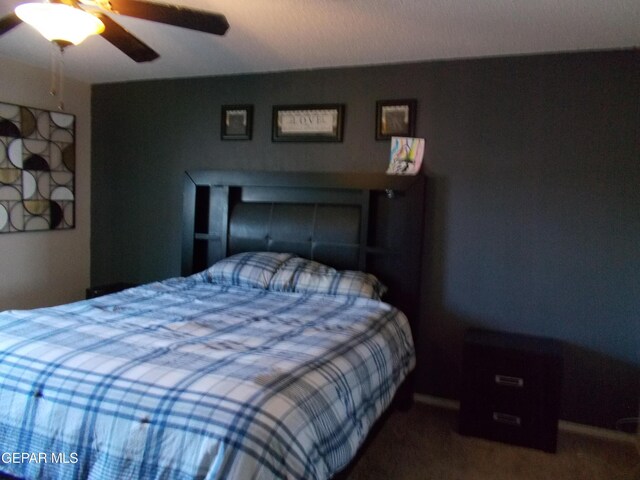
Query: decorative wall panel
point(37, 169)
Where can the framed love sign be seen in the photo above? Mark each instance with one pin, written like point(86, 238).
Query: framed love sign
point(308, 123)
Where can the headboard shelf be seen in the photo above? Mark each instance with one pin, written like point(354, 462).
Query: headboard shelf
point(335, 181)
point(357, 221)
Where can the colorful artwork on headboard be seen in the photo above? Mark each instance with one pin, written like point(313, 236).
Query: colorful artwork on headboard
point(37, 169)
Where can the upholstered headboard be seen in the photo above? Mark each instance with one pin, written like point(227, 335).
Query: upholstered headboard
point(357, 221)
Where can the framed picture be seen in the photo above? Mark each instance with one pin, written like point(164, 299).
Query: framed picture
point(395, 118)
point(308, 123)
point(37, 169)
point(236, 122)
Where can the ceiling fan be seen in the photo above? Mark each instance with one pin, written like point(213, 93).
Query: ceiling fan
point(66, 15)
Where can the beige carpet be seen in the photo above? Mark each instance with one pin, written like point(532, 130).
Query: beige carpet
point(423, 444)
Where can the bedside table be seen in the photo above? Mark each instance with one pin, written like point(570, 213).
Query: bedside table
point(101, 290)
point(511, 388)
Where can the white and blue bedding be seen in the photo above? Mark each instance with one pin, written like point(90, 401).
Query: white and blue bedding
point(184, 379)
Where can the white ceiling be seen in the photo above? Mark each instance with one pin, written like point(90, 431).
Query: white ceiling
point(277, 35)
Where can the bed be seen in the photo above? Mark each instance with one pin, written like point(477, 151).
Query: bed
point(272, 356)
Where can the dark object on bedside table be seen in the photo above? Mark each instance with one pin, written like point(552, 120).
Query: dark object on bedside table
point(511, 388)
point(101, 290)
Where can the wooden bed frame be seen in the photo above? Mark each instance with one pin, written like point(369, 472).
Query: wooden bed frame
point(358, 221)
point(369, 222)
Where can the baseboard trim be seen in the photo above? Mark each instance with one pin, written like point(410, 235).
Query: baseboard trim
point(589, 430)
point(436, 401)
point(563, 425)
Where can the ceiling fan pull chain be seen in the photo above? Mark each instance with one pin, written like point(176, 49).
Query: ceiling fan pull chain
point(53, 90)
point(61, 80)
point(57, 74)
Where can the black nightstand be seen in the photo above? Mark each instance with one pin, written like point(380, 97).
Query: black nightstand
point(511, 388)
point(101, 290)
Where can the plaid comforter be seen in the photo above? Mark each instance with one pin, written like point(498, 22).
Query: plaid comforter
point(182, 379)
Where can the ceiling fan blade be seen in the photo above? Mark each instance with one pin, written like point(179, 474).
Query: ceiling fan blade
point(125, 41)
point(208, 22)
point(8, 22)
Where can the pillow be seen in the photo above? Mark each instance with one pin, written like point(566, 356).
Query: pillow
point(306, 276)
point(248, 269)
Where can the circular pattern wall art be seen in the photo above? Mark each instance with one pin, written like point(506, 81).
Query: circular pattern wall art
point(37, 169)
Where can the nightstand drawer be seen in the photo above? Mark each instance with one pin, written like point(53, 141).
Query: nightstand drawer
point(498, 376)
point(505, 426)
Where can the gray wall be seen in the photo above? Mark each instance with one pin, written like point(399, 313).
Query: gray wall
point(533, 207)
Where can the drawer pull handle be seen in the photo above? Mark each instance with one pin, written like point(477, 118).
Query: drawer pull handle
point(507, 419)
point(507, 381)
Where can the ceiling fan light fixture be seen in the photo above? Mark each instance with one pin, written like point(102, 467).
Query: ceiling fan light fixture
point(58, 22)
